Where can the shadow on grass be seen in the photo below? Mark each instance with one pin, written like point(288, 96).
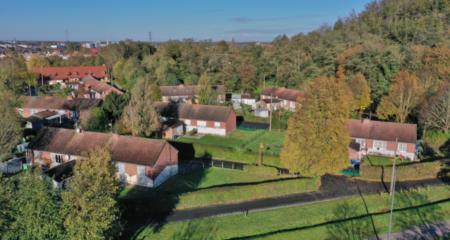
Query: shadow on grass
point(353, 219)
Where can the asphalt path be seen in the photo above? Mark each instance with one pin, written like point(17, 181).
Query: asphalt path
point(332, 187)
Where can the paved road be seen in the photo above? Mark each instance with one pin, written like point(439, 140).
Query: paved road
point(440, 230)
point(332, 187)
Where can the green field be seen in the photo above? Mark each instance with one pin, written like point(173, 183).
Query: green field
point(383, 161)
point(240, 146)
point(315, 221)
point(219, 186)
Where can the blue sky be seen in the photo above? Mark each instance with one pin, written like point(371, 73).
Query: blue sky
point(93, 20)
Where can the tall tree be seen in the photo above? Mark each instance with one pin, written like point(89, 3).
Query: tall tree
point(317, 137)
point(204, 90)
point(37, 61)
point(36, 209)
point(6, 207)
point(403, 96)
point(89, 204)
point(113, 105)
point(140, 116)
point(435, 112)
point(10, 131)
point(361, 92)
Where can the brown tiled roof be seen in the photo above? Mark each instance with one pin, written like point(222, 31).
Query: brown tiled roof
point(283, 93)
point(194, 111)
point(386, 131)
point(98, 86)
point(187, 90)
point(62, 73)
point(129, 149)
point(45, 114)
point(51, 102)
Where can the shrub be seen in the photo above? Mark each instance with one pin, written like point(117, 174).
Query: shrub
point(420, 170)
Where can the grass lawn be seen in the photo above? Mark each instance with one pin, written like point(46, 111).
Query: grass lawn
point(219, 186)
point(239, 146)
point(312, 221)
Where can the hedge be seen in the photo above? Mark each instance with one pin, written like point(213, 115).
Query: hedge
point(414, 171)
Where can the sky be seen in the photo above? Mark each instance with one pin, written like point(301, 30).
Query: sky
point(113, 20)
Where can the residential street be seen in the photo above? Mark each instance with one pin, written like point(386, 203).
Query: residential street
point(332, 187)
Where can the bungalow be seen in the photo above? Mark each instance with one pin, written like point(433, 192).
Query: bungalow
point(186, 93)
point(95, 89)
point(70, 75)
point(73, 108)
point(203, 119)
point(140, 161)
point(382, 138)
point(288, 97)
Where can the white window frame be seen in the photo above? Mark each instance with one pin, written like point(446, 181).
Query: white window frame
point(362, 142)
point(380, 145)
point(402, 147)
point(201, 123)
point(217, 124)
point(187, 122)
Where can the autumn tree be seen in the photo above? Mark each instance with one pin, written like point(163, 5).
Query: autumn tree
point(361, 92)
point(89, 204)
point(140, 116)
point(10, 131)
point(435, 112)
point(205, 91)
point(36, 209)
point(403, 96)
point(317, 137)
point(37, 61)
point(6, 206)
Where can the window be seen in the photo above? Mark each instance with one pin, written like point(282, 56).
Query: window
point(59, 158)
point(217, 124)
point(187, 122)
point(402, 147)
point(201, 123)
point(379, 145)
point(362, 143)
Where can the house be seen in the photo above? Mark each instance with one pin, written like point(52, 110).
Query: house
point(244, 99)
point(139, 161)
point(172, 129)
point(389, 139)
point(70, 75)
point(44, 118)
point(270, 104)
point(288, 97)
point(203, 119)
point(73, 108)
point(95, 89)
point(186, 93)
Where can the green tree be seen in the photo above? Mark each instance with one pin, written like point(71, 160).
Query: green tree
point(361, 91)
point(113, 106)
point(10, 132)
point(36, 209)
point(97, 120)
point(6, 206)
point(89, 204)
point(404, 95)
point(37, 61)
point(140, 116)
point(205, 92)
point(317, 137)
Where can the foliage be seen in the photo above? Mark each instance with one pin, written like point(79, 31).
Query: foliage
point(140, 116)
point(6, 206)
point(205, 91)
point(36, 209)
point(404, 95)
point(37, 61)
point(435, 111)
point(89, 204)
point(97, 120)
point(113, 106)
point(361, 91)
point(10, 132)
point(317, 137)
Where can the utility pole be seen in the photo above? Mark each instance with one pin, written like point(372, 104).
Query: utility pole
point(392, 192)
point(270, 113)
point(150, 37)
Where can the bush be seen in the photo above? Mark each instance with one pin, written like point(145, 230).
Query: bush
point(414, 171)
point(436, 140)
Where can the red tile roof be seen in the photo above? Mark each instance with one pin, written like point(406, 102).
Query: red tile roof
point(283, 93)
point(386, 131)
point(141, 151)
point(194, 111)
point(99, 86)
point(63, 73)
